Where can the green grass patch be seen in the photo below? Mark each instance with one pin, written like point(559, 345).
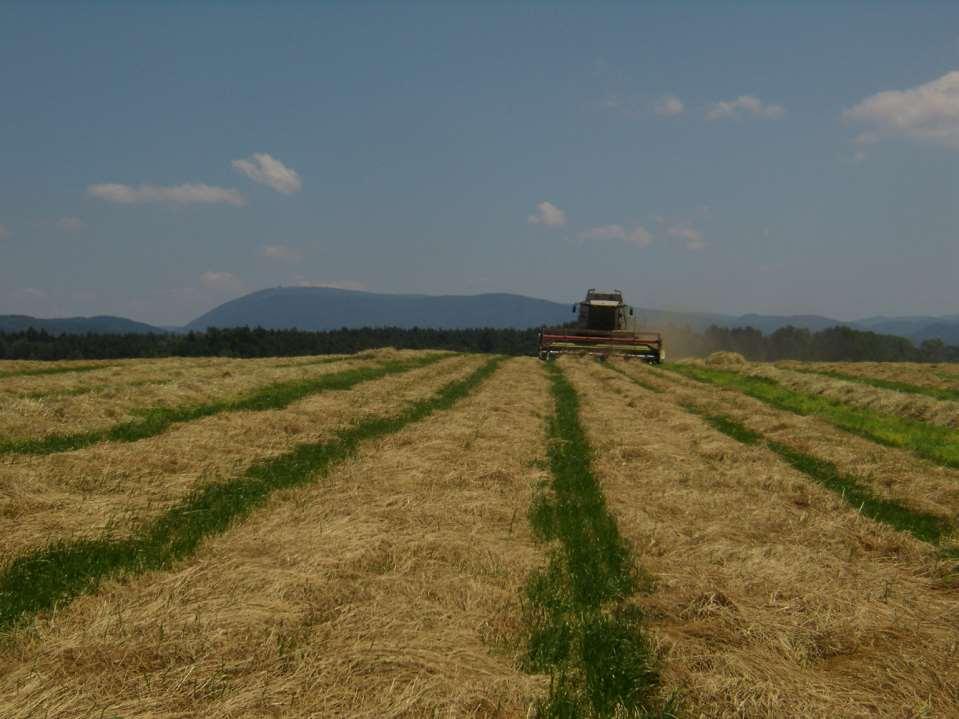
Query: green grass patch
point(53, 370)
point(950, 395)
point(50, 577)
point(923, 526)
point(935, 443)
point(581, 629)
point(155, 420)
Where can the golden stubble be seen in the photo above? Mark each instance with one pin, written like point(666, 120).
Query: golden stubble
point(119, 395)
point(772, 597)
point(891, 473)
point(934, 375)
point(388, 589)
point(911, 406)
point(112, 487)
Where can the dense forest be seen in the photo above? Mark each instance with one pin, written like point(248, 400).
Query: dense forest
point(834, 344)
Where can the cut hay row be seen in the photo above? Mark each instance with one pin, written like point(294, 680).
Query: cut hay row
point(848, 374)
point(112, 488)
point(71, 411)
point(933, 442)
point(388, 589)
point(52, 576)
point(772, 598)
point(36, 371)
point(856, 393)
point(582, 629)
point(923, 526)
point(891, 474)
point(151, 421)
point(931, 376)
point(107, 385)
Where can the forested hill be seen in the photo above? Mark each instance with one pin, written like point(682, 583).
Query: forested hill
point(327, 308)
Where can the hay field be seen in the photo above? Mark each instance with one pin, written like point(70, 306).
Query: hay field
point(413, 534)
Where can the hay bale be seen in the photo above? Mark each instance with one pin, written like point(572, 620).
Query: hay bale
point(725, 359)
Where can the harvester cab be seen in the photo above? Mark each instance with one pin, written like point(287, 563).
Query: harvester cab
point(604, 327)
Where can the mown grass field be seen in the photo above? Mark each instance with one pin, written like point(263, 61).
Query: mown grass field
point(431, 534)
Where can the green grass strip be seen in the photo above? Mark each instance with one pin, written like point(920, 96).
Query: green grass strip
point(50, 577)
point(155, 420)
point(922, 525)
point(581, 630)
point(53, 370)
point(949, 395)
point(935, 443)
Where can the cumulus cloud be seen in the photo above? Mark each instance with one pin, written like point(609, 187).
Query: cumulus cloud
point(928, 112)
point(71, 224)
point(547, 214)
point(281, 252)
point(269, 171)
point(637, 236)
point(220, 280)
point(744, 105)
point(668, 106)
point(693, 238)
point(185, 194)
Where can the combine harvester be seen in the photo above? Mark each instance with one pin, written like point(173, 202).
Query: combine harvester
point(604, 328)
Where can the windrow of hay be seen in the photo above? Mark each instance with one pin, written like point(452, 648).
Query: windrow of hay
point(731, 360)
point(931, 376)
point(111, 488)
point(912, 406)
point(388, 589)
point(70, 414)
point(36, 368)
point(891, 473)
point(934, 442)
point(773, 598)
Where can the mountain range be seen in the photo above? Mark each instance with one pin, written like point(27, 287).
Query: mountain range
point(326, 308)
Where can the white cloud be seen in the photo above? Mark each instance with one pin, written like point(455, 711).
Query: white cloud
point(281, 252)
point(301, 281)
point(637, 236)
point(928, 112)
point(266, 170)
point(669, 106)
point(185, 194)
point(744, 104)
point(71, 224)
point(693, 238)
point(547, 214)
point(220, 281)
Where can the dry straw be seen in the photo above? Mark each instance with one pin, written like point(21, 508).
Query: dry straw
point(128, 389)
point(389, 589)
point(911, 406)
point(931, 375)
point(112, 487)
point(891, 473)
point(773, 598)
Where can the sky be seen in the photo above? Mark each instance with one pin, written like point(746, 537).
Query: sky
point(780, 158)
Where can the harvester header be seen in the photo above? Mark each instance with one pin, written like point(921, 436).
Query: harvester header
point(603, 327)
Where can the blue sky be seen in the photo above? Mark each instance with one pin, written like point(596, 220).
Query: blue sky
point(156, 160)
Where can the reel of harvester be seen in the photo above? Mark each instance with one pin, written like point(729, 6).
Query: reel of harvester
point(603, 329)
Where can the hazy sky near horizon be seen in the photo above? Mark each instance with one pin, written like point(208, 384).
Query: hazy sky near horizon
point(158, 159)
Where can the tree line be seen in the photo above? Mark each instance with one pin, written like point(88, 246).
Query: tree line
point(835, 344)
